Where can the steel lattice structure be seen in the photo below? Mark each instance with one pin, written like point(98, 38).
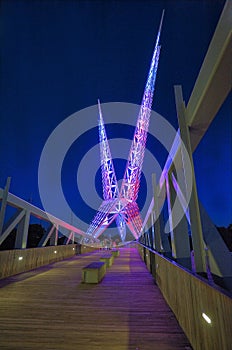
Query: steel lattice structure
point(121, 205)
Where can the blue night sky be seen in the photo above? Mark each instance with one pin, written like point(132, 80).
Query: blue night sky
point(58, 57)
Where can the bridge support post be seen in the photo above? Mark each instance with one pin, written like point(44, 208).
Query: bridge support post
point(22, 231)
point(69, 238)
point(179, 234)
point(152, 228)
point(155, 218)
point(4, 204)
point(54, 236)
point(196, 227)
point(147, 236)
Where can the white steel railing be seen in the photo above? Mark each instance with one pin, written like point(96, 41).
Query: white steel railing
point(21, 220)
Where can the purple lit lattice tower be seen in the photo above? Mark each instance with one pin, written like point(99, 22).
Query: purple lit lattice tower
point(121, 205)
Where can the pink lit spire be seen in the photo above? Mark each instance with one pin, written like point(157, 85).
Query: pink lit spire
point(131, 180)
point(109, 181)
point(121, 206)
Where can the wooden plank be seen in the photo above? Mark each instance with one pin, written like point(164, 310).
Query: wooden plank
point(51, 309)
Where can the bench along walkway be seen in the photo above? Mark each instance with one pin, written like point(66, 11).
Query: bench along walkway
point(93, 272)
point(49, 308)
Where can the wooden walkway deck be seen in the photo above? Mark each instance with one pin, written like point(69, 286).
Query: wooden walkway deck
point(49, 308)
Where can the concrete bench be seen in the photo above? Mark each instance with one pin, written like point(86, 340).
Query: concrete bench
point(108, 259)
point(115, 252)
point(94, 272)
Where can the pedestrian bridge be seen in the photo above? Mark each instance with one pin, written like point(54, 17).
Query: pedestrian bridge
point(50, 308)
point(162, 292)
point(145, 301)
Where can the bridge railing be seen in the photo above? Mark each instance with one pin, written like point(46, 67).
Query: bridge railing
point(203, 311)
point(16, 261)
point(21, 220)
point(21, 258)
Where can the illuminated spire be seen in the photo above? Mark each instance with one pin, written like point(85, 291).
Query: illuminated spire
point(131, 180)
point(109, 181)
point(121, 206)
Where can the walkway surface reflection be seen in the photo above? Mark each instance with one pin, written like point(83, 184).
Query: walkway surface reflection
point(49, 308)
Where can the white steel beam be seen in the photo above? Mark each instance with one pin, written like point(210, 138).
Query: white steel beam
point(46, 236)
point(196, 227)
point(69, 238)
point(17, 202)
point(214, 81)
point(181, 197)
point(155, 216)
point(4, 204)
point(22, 231)
point(15, 219)
point(54, 236)
point(212, 86)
